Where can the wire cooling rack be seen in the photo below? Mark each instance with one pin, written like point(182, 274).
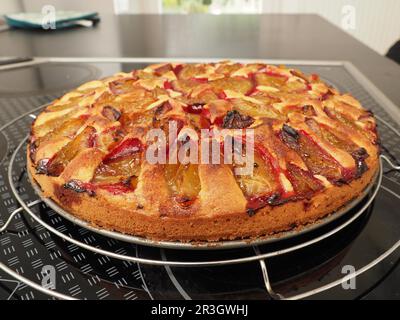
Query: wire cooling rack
point(28, 207)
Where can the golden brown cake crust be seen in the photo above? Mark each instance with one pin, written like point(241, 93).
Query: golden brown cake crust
point(321, 145)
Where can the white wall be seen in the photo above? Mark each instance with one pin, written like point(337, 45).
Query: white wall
point(377, 22)
point(10, 6)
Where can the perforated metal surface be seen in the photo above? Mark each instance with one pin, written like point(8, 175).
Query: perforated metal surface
point(27, 247)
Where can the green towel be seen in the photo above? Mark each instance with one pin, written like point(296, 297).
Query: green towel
point(63, 19)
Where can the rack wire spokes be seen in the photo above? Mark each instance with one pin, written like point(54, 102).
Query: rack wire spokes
point(257, 256)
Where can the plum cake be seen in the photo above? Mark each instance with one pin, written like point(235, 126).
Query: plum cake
point(314, 150)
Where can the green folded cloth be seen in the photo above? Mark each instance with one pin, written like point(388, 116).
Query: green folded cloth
point(63, 19)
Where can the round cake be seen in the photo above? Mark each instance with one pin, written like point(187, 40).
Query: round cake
point(119, 152)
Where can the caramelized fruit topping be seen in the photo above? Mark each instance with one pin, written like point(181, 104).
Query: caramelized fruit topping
point(163, 69)
point(127, 147)
point(111, 113)
point(270, 79)
point(254, 110)
point(359, 156)
point(350, 124)
point(328, 134)
point(61, 159)
point(234, 120)
point(120, 169)
point(195, 108)
point(189, 71)
point(237, 84)
point(183, 182)
point(257, 202)
point(32, 149)
point(262, 187)
point(304, 184)
point(79, 187)
point(316, 159)
point(271, 96)
point(121, 86)
point(261, 182)
point(59, 127)
point(41, 166)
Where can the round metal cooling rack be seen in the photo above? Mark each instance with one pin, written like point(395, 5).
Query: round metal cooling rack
point(258, 255)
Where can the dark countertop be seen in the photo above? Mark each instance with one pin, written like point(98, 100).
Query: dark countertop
point(225, 36)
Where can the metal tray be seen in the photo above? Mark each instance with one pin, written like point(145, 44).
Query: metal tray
point(198, 245)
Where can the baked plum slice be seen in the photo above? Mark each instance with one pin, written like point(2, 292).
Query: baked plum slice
point(203, 97)
point(235, 120)
point(111, 113)
point(123, 171)
point(110, 137)
point(183, 182)
point(237, 84)
point(359, 154)
point(167, 123)
point(261, 188)
point(85, 139)
point(316, 159)
point(67, 128)
point(121, 86)
point(227, 69)
point(130, 146)
point(135, 116)
point(163, 69)
point(261, 182)
point(295, 86)
point(194, 108)
point(189, 71)
point(254, 110)
point(349, 123)
point(304, 184)
point(265, 98)
point(120, 169)
point(328, 135)
point(187, 85)
point(134, 119)
point(72, 103)
point(197, 115)
point(60, 122)
point(270, 79)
